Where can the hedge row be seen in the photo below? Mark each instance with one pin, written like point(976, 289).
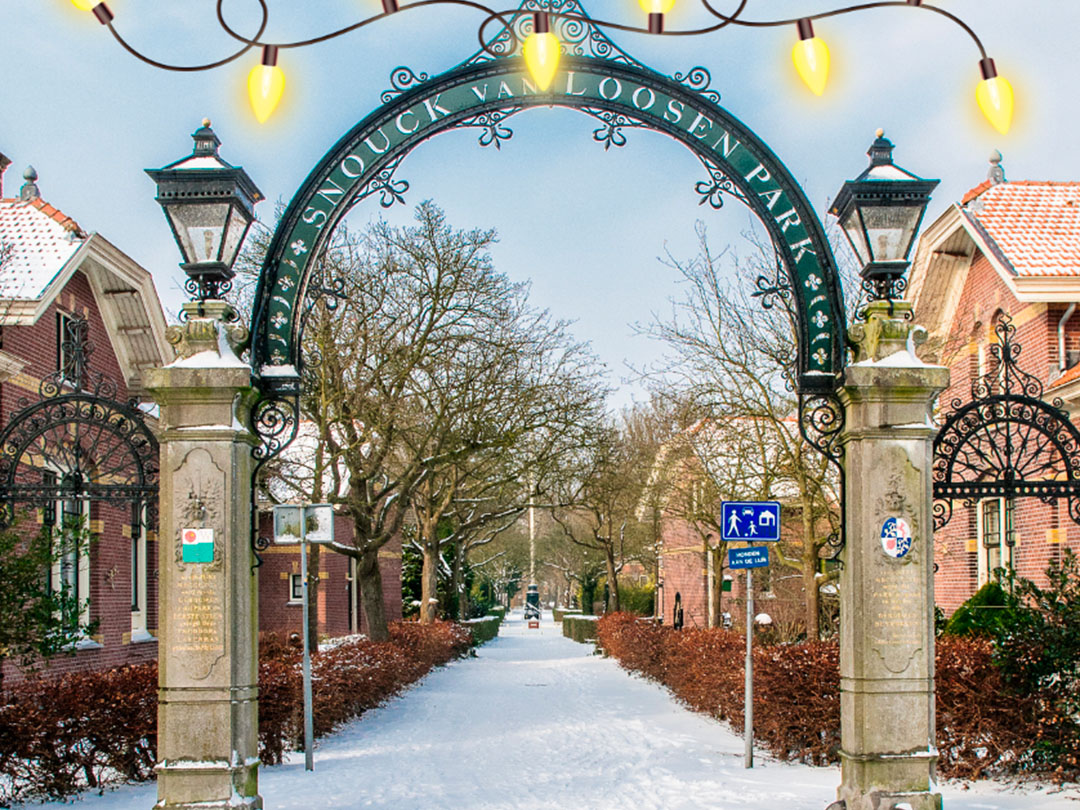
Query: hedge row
point(65, 734)
point(580, 628)
point(983, 729)
point(558, 613)
point(483, 629)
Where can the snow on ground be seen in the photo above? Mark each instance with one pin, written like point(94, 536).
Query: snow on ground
point(538, 722)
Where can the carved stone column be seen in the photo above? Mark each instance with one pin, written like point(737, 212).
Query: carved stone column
point(208, 594)
point(888, 752)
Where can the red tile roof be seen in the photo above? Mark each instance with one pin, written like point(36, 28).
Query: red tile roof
point(40, 239)
point(1035, 226)
point(1066, 378)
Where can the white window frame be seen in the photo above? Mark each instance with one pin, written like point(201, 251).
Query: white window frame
point(1006, 516)
point(293, 599)
point(139, 572)
point(82, 556)
point(62, 321)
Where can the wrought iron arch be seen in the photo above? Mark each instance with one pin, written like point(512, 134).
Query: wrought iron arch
point(1007, 441)
point(77, 442)
point(597, 78)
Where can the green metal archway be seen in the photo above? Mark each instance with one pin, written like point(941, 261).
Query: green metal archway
point(599, 79)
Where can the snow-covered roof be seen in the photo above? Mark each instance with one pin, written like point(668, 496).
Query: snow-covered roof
point(40, 240)
point(42, 248)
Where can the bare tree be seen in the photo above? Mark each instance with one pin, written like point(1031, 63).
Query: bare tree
point(733, 357)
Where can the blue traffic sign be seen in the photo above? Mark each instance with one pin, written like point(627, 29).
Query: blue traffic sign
point(750, 557)
point(750, 521)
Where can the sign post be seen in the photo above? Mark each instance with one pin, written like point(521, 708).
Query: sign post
point(749, 521)
point(291, 525)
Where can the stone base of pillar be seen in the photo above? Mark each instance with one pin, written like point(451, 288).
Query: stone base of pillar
point(862, 773)
point(188, 784)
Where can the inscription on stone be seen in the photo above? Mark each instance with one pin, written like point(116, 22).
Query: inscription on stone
point(198, 637)
point(896, 633)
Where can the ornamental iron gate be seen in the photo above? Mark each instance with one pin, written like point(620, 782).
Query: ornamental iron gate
point(77, 442)
point(1007, 442)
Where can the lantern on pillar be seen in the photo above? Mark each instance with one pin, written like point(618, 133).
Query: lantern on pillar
point(210, 205)
point(880, 212)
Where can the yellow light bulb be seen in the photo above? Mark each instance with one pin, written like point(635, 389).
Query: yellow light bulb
point(656, 6)
point(266, 83)
point(995, 97)
point(811, 58)
point(542, 54)
point(85, 5)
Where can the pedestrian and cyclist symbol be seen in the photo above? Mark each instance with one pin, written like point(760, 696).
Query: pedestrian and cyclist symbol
point(750, 521)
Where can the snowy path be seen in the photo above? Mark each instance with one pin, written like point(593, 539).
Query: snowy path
point(537, 722)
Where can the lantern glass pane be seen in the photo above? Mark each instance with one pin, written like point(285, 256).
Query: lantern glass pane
point(199, 228)
point(890, 230)
point(234, 234)
point(853, 229)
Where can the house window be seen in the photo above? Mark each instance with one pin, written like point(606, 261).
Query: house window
point(63, 342)
point(296, 588)
point(71, 568)
point(138, 573)
point(997, 536)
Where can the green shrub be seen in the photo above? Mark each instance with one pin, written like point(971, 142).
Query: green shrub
point(483, 629)
point(637, 599)
point(497, 610)
point(987, 613)
point(579, 628)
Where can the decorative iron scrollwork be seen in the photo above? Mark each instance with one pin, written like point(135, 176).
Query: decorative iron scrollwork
point(275, 419)
point(717, 185)
point(821, 423)
point(492, 126)
point(698, 79)
point(1006, 442)
point(577, 34)
point(611, 133)
point(77, 441)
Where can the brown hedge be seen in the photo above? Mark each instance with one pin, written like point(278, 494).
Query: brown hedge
point(61, 735)
point(983, 729)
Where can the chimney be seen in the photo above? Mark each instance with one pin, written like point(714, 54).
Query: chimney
point(5, 161)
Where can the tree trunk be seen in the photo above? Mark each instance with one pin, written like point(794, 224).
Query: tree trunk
point(457, 583)
point(371, 595)
point(717, 589)
point(613, 581)
point(809, 572)
point(429, 582)
point(313, 596)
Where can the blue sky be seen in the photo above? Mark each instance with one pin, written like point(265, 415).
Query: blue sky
point(585, 225)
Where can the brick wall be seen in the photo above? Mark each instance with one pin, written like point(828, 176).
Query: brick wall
point(956, 547)
point(339, 599)
point(110, 553)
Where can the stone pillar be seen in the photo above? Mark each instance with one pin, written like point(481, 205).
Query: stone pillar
point(208, 594)
point(888, 752)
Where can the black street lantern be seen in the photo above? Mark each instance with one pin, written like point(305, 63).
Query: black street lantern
point(210, 206)
point(880, 211)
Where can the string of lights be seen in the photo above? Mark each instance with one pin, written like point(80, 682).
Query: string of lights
point(541, 48)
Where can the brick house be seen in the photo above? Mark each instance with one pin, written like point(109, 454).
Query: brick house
point(53, 274)
point(1007, 249)
point(692, 474)
point(340, 611)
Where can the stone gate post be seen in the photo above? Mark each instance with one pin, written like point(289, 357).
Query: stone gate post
point(888, 753)
point(208, 597)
